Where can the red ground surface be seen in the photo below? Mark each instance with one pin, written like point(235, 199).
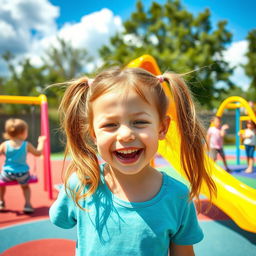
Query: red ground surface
point(43, 247)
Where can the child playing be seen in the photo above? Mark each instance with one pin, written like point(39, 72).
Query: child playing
point(249, 137)
point(215, 135)
point(15, 166)
point(125, 206)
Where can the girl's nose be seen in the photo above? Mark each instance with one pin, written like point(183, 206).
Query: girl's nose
point(125, 134)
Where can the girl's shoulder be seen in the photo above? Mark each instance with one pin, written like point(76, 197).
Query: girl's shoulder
point(2, 147)
point(175, 186)
point(3, 143)
point(212, 129)
point(73, 181)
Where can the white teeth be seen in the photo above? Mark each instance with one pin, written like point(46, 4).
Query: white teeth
point(128, 151)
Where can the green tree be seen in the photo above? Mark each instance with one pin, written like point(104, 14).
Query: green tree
point(59, 65)
point(250, 66)
point(30, 81)
point(179, 41)
point(65, 62)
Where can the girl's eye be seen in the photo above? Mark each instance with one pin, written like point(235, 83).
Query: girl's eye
point(109, 125)
point(140, 122)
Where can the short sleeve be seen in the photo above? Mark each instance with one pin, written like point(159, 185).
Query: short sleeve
point(189, 232)
point(63, 211)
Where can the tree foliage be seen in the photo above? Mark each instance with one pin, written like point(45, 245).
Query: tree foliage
point(29, 81)
point(66, 62)
point(250, 66)
point(180, 42)
point(60, 64)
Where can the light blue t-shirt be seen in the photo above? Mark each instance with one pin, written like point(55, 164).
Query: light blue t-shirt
point(15, 158)
point(111, 226)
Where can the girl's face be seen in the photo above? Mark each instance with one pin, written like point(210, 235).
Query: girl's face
point(249, 125)
point(217, 122)
point(127, 130)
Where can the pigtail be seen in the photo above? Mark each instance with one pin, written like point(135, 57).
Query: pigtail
point(79, 145)
point(192, 134)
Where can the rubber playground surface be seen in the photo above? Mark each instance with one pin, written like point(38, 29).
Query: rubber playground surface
point(33, 234)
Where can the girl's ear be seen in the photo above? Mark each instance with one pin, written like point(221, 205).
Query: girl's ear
point(164, 126)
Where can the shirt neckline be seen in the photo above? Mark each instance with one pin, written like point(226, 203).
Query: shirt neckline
point(135, 205)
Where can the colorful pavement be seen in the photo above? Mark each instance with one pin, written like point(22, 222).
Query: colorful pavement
point(34, 235)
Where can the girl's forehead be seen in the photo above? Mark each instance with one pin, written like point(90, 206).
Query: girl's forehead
point(118, 101)
point(125, 92)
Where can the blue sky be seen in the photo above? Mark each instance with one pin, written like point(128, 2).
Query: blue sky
point(29, 27)
point(239, 14)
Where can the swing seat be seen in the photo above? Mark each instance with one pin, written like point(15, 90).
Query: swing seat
point(32, 179)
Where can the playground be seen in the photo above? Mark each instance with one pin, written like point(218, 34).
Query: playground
point(23, 234)
point(229, 226)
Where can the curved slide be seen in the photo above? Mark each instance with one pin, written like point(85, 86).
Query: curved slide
point(234, 198)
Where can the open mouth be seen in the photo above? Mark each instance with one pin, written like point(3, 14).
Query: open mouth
point(129, 155)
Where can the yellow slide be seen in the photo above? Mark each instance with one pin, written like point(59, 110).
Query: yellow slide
point(234, 198)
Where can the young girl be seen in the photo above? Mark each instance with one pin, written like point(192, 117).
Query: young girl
point(215, 136)
point(125, 206)
point(15, 166)
point(249, 137)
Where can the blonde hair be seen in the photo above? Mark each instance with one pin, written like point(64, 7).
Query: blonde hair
point(77, 117)
point(14, 127)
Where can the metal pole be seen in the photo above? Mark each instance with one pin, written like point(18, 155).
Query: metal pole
point(237, 136)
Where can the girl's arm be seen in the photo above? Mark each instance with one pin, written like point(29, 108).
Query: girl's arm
point(181, 250)
point(37, 151)
point(223, 129)
point(2, 148)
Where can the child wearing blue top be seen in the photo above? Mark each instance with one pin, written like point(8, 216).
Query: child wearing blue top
point(15, 167)
point(249, 140)
point(125, 206)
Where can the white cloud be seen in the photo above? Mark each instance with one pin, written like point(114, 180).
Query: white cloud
point(235, 56)
point(93, 31)
point(20, 17)
point(21, 23)
point(23, 20)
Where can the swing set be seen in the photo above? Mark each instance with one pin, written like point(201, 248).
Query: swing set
point(42, 101)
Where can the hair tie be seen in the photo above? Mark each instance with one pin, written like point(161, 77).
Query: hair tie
point(90, 81)
point(160, 78)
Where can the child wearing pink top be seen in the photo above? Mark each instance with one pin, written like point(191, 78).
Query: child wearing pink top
point(215, 135)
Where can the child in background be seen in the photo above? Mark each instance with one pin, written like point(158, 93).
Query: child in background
point(125, 206)
point(249, 138)
point(15, 167)
point(215, 136)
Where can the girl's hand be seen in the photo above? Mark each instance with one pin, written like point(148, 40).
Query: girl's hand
point(41, 139)
point(225, 127)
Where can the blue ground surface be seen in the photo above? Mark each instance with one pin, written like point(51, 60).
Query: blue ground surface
point(222, 238)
